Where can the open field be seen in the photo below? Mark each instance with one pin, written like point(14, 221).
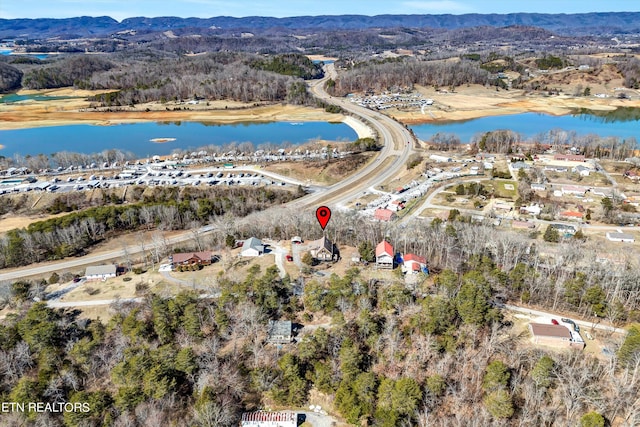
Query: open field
point(594, 178)
point(324, 172)
point(476, 101)
point(502, 188)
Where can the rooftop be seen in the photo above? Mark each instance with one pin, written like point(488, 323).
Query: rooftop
point(100, 270)
point(556, 331)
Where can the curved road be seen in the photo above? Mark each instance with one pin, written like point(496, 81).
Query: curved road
point(397, 147)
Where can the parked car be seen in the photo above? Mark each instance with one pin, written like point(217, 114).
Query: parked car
point(554, 321)
point(289, 258)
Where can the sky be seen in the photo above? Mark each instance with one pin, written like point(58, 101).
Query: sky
point(120, 9)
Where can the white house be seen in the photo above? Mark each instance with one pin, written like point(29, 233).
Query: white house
point(413, 263)
point(384, 255)
point(440, 159)
point(100, 272)
point(252, 247)
point(533, 209)
point(538, 187)
point(582, 170)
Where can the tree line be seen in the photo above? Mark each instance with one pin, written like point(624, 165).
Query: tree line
point(170, 209)
point(406, 72)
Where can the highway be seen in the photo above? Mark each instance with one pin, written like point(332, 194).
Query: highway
point(397, 145)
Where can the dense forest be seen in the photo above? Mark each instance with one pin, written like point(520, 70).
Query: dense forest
point(143, 76)
point(389, 357)
point(383, 75)
point(10, 78)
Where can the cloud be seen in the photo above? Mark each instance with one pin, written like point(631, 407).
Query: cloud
point(438, 6)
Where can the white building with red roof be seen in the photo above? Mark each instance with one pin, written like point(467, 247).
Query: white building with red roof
point(384, 255)
point(413, 263)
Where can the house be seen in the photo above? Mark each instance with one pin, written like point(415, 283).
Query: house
point(503, 205)
point(621, 237)
point(100, 272)
point(573, 189)
point(571, 215)
point(440, 159)
point(554, 335)
point(532, 210)
point(522, 224)
point(569, 157)
point(269, 419)
point(322, 249)
point(191, 258)
point(564, 228)
point(279, 332)
point(519, 165)
point(384, 255)
point(252, 247)
point(413, 263)
point(396, 205)
point(582, 170)
point(538, 187)
point(384, 215)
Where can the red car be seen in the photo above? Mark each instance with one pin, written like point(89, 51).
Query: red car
point(554, 321)
point(289, 258)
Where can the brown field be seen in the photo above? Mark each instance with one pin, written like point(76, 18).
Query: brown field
point(30, 114)
point(324, 172)
point(477, 101)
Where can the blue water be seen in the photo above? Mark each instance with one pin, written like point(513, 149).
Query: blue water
point(530, 125)
point(12, 97)
point(136, 137)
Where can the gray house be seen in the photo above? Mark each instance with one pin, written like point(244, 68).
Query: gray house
point(279, 332)
point(322, 249)
point(100, 272)
point(252, 247)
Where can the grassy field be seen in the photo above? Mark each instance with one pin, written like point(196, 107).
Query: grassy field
point(499, 189)
point(324, 172)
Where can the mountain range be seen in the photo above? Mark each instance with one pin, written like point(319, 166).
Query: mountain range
point(602, 23)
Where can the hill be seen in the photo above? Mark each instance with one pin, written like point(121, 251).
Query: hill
point(569, 24)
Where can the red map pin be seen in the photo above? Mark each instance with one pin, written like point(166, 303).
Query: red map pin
point(323, 214)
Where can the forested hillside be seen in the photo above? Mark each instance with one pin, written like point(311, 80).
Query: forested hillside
point(387, 358)
point(10, 78)
point(143, 76)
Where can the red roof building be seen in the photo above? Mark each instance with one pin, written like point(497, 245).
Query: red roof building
point(191, 258)
point(571, 215)
point(384, 215)
point(414, 263)
point(384, 255)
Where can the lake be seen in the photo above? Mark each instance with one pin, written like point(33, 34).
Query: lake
point(532, 124)
point(14, 97)
point(136, 137)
